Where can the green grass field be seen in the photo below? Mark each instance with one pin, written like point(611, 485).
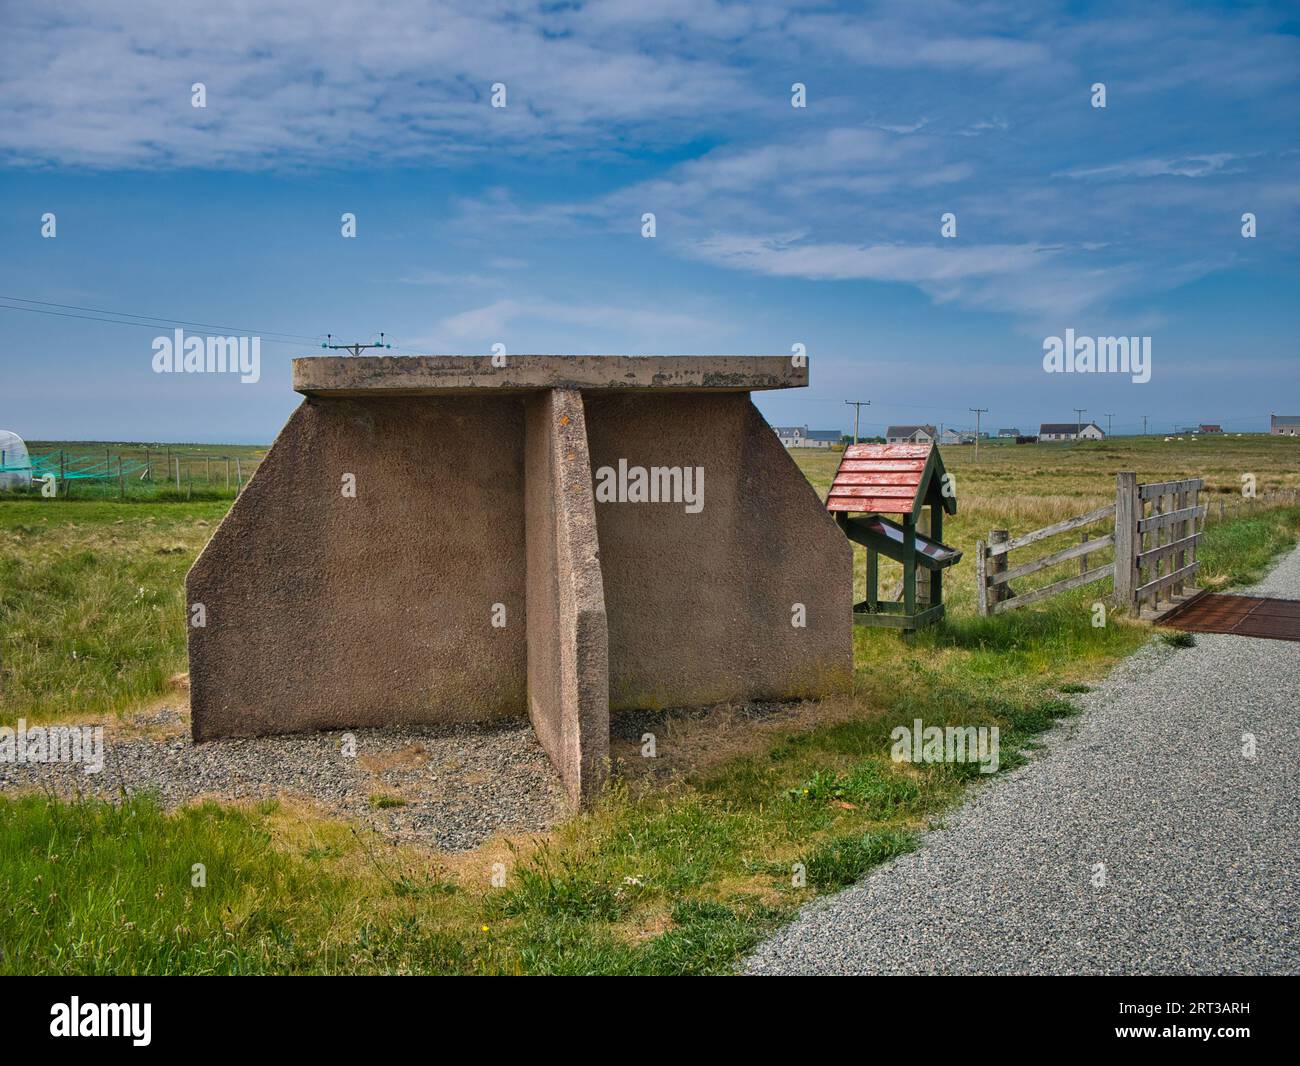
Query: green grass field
point(681, 878)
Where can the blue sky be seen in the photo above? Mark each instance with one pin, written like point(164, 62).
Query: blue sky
point(775, 225)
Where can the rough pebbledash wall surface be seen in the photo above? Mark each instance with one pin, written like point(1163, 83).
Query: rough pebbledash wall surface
point(327, 611)
point(701, 605)
point(474, 488)
point(568, 662)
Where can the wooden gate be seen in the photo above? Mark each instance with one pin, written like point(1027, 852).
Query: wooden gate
point(1157, 530)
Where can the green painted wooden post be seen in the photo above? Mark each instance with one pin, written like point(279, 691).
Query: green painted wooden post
point(936, 534)
point(909, 566)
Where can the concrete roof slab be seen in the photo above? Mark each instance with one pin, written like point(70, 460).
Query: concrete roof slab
point(433, 375)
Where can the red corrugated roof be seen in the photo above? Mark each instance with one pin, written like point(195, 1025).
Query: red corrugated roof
point(879, 477)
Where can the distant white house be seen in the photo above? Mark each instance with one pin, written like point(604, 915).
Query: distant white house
point(910, 434)
point(1070, 431)
point(803, 437)
point(1012, 432)
point(15, 464)
point(950, 436)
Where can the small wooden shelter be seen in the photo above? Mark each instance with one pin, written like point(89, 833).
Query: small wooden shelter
point(875, 480)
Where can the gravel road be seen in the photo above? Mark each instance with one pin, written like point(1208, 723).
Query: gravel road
point(1199, 843)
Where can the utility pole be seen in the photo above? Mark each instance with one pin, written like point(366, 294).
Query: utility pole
point(1109, 416)
point(978, 411)
point(355, 349)
point(1078, 429)
point(857, 406)
point(1144, 425)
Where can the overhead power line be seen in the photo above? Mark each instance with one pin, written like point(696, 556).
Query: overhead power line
point(160, 318)
point(142, 325)
point(158, 322)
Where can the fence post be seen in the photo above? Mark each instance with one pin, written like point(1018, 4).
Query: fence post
point(1126, 539)
point(996, 565)
point(981, 582)
point(1180, 533)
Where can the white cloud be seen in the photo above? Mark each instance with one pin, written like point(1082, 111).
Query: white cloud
point(850, 189)
point(892, 44)
point(289, 81)
point(916, 264)
point(1197, 166)
point(607, 327)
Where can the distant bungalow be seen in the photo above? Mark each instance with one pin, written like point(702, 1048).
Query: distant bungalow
point(1070, 431)
point(924, 434)
point(803, 437)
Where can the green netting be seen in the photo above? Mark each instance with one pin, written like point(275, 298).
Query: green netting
point(77, 468)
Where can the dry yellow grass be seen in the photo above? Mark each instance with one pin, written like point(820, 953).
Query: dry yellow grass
point(1025, 487)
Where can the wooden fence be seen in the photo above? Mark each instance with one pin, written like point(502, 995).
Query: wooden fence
point(1225, 507)
point(1155, 534)
point(993, 576)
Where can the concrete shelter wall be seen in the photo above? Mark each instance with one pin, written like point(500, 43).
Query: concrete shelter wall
point(568, 669)
point(325, 612)
point(700, 605)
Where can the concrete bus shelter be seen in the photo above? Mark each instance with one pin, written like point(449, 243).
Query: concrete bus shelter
point(432, 539)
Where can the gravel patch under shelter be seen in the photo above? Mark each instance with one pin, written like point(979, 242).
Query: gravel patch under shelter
point(458, 784)
point(449, 787)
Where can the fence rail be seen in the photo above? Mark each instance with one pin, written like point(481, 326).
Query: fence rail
point(993, 576)
point(1051, 531)
point(1155, 537)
